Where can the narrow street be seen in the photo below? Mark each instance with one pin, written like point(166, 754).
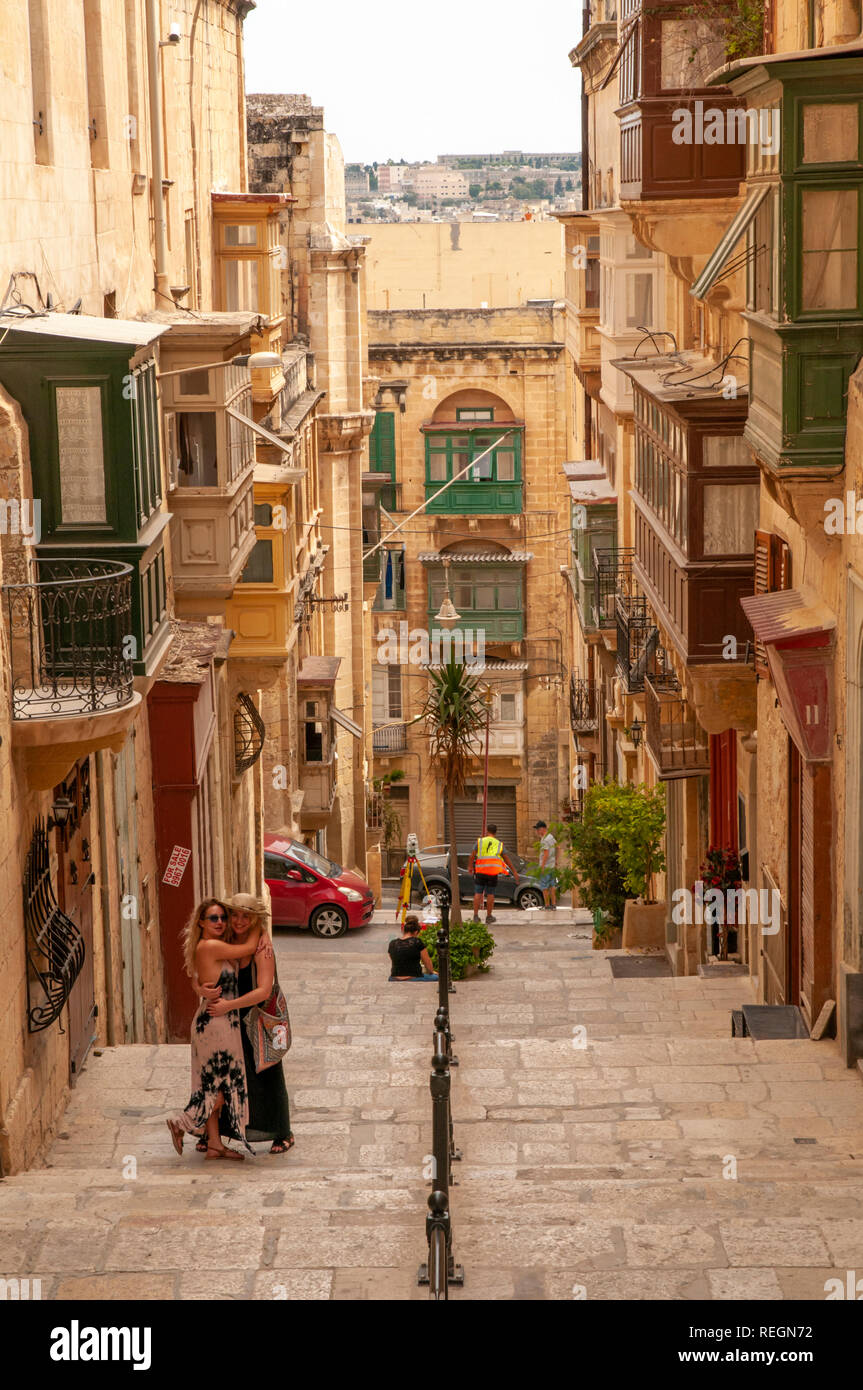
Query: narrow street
point(599, 1171)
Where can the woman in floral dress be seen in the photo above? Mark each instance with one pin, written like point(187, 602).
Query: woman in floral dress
point(218, 1070)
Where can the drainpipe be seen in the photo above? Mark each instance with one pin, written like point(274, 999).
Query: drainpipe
point(157, 154)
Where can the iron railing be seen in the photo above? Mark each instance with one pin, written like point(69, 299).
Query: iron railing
point(392, 739)
point(583, 705)
point(441, 1270)
point(55, 947)
point(676, 741)
point(249, 734)
point(612, 575)
point(71, 643)
point(638, 651)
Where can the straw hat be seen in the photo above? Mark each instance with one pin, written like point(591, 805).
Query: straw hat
point(247, 902)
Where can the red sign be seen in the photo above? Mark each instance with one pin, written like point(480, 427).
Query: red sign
point(176, 866)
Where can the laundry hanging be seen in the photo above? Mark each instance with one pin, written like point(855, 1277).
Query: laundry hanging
point(388, 576)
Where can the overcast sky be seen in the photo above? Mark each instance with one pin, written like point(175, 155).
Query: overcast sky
point(412, 80)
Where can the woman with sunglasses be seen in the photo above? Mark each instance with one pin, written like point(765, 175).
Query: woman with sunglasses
point(219, 1090)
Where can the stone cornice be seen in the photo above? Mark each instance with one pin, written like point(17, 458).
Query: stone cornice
point(339, 433)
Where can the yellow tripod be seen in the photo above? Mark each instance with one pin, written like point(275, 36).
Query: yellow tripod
point(404, 901)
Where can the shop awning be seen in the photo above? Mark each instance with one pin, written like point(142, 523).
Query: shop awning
point(799, 632)
point(481, 557)
point(729, 239)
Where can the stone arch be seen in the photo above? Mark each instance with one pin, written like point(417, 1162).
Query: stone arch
point(469, 397)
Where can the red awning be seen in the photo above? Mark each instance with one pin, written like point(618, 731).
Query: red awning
point(799, 633)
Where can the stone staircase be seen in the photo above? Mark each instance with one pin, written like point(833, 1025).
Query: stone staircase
point(646, 1154)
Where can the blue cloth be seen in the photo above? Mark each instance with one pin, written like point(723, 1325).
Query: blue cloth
point(547, 879)
point(411, 980)
point(388, 576)
point(485, 883)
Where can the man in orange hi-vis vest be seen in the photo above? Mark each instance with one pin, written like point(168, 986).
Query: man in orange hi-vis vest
point(489, 858)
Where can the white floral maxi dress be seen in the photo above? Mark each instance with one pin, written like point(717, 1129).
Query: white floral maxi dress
point(218, 1067)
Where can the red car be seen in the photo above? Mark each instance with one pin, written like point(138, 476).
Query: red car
point(310, 891)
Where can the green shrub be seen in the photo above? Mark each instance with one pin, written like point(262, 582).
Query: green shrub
point(464, 937)
point(614, 848)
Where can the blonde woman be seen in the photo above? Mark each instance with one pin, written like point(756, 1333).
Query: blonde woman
point(269, 1109)
point(219, 1090)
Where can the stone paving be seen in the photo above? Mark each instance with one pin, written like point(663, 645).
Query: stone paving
point(598, 1163)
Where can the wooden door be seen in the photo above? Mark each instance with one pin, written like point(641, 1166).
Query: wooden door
point(75, 891)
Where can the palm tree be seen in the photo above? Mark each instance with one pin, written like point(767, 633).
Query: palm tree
point(455, 714)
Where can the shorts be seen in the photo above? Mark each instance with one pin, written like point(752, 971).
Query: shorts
point(484, 883)
point(547, 879)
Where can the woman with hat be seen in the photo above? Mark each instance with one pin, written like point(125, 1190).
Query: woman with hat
point(269, 1109)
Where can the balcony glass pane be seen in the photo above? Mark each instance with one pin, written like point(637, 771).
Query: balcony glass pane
point(691, 50)
point(509, 596)
point(730, 518)
point(505, 460)
point(437, 468)
point(639, 300)
point(197, 464)
point(463, 596)
point(725, 451)
point(829, 248)
point(482, 470)
point(830, 133)
point(484, 596)
point(241, 235)
point(259, 566)
point(241, 285)
point(195, 383)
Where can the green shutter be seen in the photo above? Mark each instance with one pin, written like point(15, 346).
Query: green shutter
point(382, 444)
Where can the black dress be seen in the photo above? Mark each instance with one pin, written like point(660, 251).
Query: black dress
point(269, 1111)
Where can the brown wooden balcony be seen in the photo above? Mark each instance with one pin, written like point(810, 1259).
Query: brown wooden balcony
point(653, 166)
point(675, 740)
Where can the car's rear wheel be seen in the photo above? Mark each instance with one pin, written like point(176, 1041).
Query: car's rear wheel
point(329, 921)
point(440, 894)
point(530, 897)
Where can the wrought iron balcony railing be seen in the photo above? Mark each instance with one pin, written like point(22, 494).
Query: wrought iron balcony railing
point(392, 739)
point(638, 651)
point(583, 705)
point(71, 647)
point(675, 740)
point(249, 734)
point(612, 571)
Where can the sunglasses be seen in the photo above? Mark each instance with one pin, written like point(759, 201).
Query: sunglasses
point(215, 917)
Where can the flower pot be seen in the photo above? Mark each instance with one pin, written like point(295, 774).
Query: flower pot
point(643, 924)
point(470, 970)
point(608, 943)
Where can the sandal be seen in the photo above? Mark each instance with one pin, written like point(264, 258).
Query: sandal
point(281, 1146)
point(177, 1135)
point(201, 1146)
point(225, 1153)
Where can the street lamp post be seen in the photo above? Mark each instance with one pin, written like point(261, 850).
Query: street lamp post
point(488, 697)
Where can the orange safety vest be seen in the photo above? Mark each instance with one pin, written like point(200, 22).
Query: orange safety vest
point(489, 856)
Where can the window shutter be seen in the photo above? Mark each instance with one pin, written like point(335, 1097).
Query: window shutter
point(382, 444)
point(772, 573)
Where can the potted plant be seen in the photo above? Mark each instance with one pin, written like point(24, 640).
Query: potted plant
point(470, 947)
point(593, 866)
point(721, 869)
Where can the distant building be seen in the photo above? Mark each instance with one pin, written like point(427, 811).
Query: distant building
point(356, 181)
point(392, 178)
point(432, 182)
